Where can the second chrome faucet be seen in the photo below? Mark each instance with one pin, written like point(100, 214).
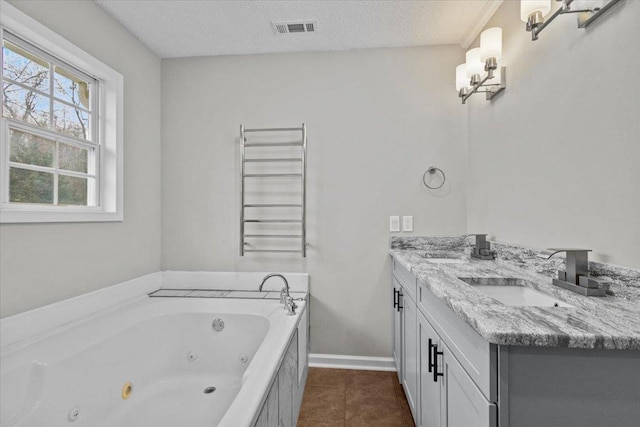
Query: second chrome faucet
point(285, 298)
point(482, 249)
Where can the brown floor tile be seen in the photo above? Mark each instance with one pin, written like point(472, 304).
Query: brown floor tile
point(312, 423)
point(327, 377)
point(350, 398)
point(369, 378)
point(373, 415)
point(396, 382)
point(323, 404)
point(404, 407)
point(377, 393)
point(407, 418)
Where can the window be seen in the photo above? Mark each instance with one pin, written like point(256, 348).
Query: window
point(50, 122)
point(61, 128)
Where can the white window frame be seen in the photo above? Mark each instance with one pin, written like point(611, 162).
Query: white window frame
point(110, 198)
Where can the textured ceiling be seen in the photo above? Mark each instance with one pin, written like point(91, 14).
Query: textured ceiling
point(179, 28)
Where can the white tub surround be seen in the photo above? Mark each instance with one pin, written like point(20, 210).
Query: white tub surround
point(74, 358)
point(67, 313)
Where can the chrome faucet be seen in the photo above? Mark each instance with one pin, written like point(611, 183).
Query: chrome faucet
point(576, 275)
point(482, 249)
point(285, 297)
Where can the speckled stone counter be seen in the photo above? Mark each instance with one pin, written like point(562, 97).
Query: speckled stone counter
point(611, 322)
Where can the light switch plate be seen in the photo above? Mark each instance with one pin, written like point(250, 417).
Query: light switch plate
point(394, 223)
point(407, 223)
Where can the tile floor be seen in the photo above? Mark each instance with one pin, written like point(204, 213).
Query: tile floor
point(347, 398)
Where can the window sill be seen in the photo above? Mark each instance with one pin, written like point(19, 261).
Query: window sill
point(15, 216)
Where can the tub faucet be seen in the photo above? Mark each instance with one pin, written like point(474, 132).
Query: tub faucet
point(285, 297)
point(482, 249)
point(576, 275)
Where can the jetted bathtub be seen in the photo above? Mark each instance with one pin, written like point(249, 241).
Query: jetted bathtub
point(152, 362)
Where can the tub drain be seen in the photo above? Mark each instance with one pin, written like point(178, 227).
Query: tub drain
point(209, 390)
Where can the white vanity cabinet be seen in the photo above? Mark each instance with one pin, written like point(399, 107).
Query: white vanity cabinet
point(407, 331)
point(397, 327)
point(410, 352)
point(462, 404)
point(430, 394)
point(453, 377)
point(443, 361)
point(448, 395)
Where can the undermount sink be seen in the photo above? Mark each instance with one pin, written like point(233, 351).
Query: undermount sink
point(513, 292)
point(446, 260)
point(443, 257)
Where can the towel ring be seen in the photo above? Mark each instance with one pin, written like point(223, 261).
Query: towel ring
point(432, 170)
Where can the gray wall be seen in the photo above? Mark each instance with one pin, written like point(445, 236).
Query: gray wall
point(555, 160)
point(44, 263)
point(376, 118)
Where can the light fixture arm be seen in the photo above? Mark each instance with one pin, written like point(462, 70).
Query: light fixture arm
point(480, 67)
point(477, 84)
point(536, 23)
point(536, 27)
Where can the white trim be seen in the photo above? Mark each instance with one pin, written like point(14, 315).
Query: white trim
point(362, 363)
point(109, 117)
point(486, 14)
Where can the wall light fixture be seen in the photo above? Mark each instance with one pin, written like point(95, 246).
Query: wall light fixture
point(533, 12)
point(471, 77)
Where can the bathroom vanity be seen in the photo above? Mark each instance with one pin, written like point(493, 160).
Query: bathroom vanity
point(486, 344)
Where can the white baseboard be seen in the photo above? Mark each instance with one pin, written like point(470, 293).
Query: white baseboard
point(363, 363)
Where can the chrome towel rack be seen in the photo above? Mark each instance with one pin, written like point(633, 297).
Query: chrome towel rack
point(289, 157)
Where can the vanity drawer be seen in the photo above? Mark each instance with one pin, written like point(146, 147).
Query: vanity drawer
point(478, 358)
point(406, 279)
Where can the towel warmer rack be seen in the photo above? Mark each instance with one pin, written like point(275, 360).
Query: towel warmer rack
point(299, 145)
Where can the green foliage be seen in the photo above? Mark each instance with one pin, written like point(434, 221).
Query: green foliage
point(31, 149)
point(26, 186)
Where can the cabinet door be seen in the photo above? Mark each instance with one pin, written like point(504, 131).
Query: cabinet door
point(410, 352)
point(429, 408)
point(462, 403)
point(397, 329)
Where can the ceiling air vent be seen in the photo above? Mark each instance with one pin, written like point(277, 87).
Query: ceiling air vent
point(294, 27)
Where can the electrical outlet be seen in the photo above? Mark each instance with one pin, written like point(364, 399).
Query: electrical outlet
point(407, 223)
point(394, 223)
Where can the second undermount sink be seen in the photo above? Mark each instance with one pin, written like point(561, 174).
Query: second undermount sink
point(442, 258)
point(513, 292)
point(446, 260)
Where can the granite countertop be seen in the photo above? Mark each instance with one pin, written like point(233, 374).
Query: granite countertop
point(611, 322)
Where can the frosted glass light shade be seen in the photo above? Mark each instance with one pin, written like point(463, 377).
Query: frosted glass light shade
point(462, 81)
point(474, 65)
point(491, 44)
point(527, 7)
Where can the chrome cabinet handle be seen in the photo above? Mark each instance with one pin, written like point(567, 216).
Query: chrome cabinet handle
point(395, 298)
